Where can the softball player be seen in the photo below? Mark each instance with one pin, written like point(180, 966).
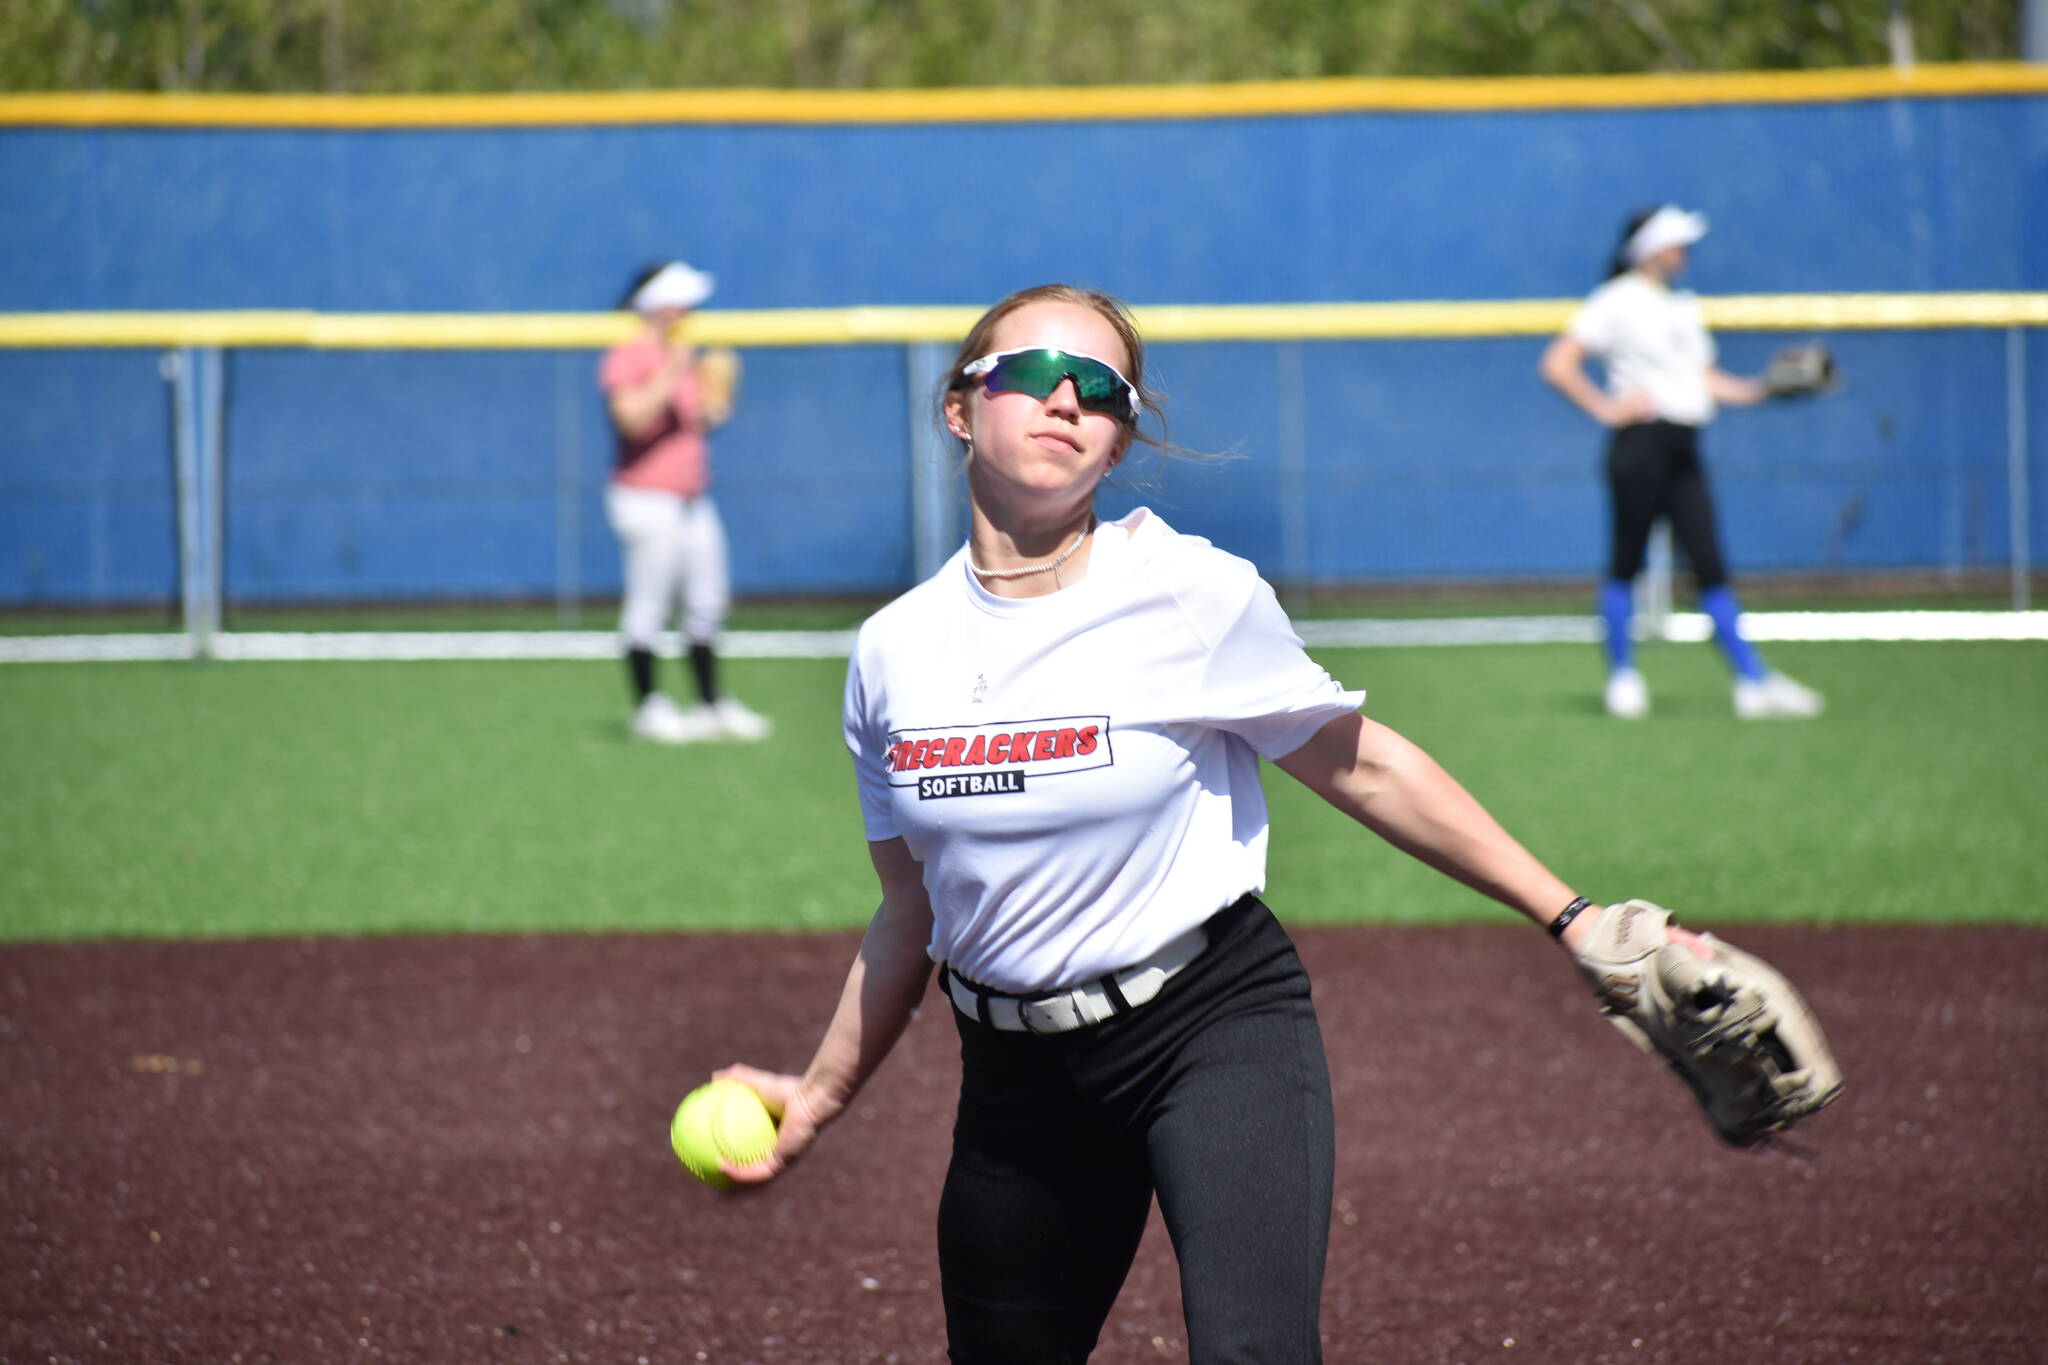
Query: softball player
point(1057, 739)
point(660, 507)
point(1662, 388)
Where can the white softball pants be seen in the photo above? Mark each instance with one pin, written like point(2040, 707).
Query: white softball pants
point(674, 554)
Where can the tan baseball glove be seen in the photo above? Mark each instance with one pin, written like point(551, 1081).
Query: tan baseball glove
point(1731, 1026)
point(718, 383)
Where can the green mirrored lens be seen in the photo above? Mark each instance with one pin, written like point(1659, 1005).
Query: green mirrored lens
point(1038, 373)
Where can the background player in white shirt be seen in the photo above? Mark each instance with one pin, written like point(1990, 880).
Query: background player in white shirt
point(1662, 386)
point(1057, 740)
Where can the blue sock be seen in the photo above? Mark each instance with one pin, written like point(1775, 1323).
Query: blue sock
point(1720, 606)
point(1617, 605)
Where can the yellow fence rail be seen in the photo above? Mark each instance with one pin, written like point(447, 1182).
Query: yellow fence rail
point(1051, 104)
point(862, 325)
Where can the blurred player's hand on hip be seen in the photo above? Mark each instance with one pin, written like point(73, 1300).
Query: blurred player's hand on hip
point(1629, 409)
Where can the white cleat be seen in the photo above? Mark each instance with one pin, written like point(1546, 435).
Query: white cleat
point(659, 720)
point(1628, 696)
point(735, 720)
point(1775, 696)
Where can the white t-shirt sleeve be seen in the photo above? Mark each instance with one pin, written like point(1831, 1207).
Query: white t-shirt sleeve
point(1593, 325)
point(1261, 685)
point(869, 749)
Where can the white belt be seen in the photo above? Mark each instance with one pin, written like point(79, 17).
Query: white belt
point(1064, 1011)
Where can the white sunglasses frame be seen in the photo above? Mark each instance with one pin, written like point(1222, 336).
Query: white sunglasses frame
point(974, 369)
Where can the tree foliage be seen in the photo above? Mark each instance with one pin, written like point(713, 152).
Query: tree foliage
point(434, 46)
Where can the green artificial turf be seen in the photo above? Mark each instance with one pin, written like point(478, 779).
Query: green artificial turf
point(1422, 600)
point(1916, 798)
point(255, 799)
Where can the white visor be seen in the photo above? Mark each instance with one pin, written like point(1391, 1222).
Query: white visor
point(1668, 227)
point(675, 285)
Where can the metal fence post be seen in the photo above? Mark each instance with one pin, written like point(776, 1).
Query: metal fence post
point(197, 443)
point(568, 523)
point(213, 479)
point(176, 369)
point(1290, 388)
point(935, 527)
point(2018, 487)
point(1653, 587)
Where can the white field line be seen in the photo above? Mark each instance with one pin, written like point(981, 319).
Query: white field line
point(1686, 626)
point(836, 644)
point(293, 646)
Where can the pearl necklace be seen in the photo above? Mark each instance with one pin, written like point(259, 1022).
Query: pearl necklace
point(1050, 566)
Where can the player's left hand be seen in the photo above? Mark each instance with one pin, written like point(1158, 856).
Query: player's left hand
point(1726, 1021)
point(1581, 931)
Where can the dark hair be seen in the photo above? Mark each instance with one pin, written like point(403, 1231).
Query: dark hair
point(976, 344)
point(640, 279)
point(1620, 264)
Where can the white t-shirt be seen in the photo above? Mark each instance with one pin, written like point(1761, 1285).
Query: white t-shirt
point(1078, 773)
point(1653, 341)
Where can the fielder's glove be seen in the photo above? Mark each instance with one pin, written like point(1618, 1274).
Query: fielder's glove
point(1732, 1026)
point(1801, 372)
point(718, 382)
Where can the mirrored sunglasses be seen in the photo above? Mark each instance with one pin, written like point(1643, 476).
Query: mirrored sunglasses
point(1038, 371)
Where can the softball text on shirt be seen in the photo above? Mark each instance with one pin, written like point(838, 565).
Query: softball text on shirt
point(996, 759)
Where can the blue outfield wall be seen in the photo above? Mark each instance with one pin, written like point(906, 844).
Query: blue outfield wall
point(419, 474)
point(1915, 194)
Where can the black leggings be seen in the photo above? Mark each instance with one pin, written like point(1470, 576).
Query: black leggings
point(1216, 1096)
point(1654, 470)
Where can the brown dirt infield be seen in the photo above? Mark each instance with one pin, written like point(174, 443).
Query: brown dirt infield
point(454, 1149)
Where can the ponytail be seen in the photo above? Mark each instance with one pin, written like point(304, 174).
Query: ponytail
point(1620, 264)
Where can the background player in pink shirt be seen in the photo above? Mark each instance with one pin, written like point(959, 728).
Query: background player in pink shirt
point(664, 397)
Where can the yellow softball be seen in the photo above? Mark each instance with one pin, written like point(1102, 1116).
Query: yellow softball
point(720, 1121)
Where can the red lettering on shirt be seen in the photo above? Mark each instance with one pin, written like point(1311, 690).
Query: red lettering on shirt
point(978, 748)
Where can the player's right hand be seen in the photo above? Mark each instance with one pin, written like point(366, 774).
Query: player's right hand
point(1629, 409)
point(798, 1116)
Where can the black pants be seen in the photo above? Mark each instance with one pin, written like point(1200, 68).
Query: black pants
point(1653, 471)
point(1216, 1096)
